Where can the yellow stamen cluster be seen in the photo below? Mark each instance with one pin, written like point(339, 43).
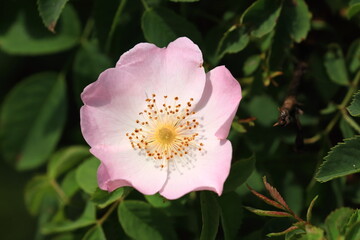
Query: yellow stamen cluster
point(168, 131)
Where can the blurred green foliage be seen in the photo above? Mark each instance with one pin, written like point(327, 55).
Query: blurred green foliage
point(50, 50)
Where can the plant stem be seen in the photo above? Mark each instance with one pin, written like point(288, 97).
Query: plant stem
point(109, 211)
point(114, 24)
point(342, 111)
point(59, 191)
point(87, 30)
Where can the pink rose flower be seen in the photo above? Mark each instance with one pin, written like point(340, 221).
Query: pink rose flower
point(158, 123)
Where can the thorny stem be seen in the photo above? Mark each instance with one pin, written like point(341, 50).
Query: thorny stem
point(114, 24)
point(342, 111)
point(59, 191)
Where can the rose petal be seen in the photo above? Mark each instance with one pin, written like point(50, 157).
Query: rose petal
point(167, 71)
point(110, 109)
point(219, 102)
point(126, 167)
point(207, 172)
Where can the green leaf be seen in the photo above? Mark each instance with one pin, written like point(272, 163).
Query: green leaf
point(268, 213)
point(342, 160)
point(95, 233)
point(231, 214)
point(354, 8)
point(210, 212)
point(233, 41)
point(314, 233)
point(354, 108)
point(261, 17)
point(40, 195)
point(141, 221)
point(87, 218)
point(346, 129)
point(103, 198)
point(158, 201)
point(353, 56)
point(69, 184)
point(86, 175)
point(161, 26)
point(238, 127)
point(32, 119)
point(239, 172)
point(251, 64)
point(88, 64)
point(50, 11)
point(65, 159)
point(334, 63)
point(298, 18)
point(354, 232)
point(309, 211)
point(265, 110)
point(336, 221)
point(23, 38)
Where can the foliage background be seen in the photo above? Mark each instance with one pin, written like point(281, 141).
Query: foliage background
point(47, 175)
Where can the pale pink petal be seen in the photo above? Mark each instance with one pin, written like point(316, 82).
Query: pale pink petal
point(219, 102)
point(105, 183)
point(174, 71)
point(207, 172)
point(110, 109)
point(126, 167)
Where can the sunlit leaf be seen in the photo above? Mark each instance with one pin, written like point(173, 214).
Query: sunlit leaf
point(336, 221)
point(354, 8)
point(210, 212)
point(343, 159)
point(32, 119)
point(50, 11)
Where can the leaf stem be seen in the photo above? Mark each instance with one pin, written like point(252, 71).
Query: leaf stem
point(59, 191)
point(113, 206)
point(109, 211)
point(87, 30)
point(342, 111)
point(114, 24)
point(350, 121)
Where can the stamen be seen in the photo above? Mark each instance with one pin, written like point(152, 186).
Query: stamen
point(167, 132)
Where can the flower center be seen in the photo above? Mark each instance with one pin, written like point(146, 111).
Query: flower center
point(167, 130)
point(165, 135)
